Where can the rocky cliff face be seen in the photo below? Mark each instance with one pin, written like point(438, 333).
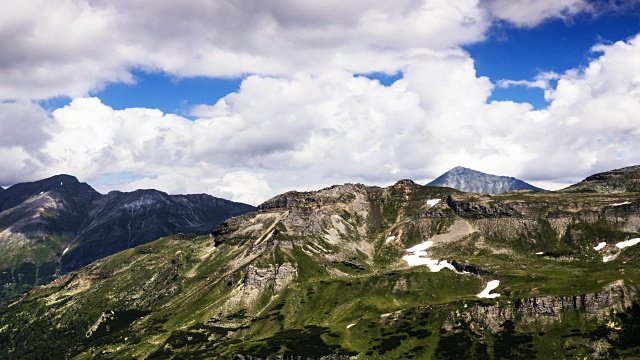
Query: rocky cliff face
point(547, 311)
point(468, 180)
point(59, 224)
point(256, 280)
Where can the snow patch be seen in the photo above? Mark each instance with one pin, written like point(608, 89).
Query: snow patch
point(607, 258)
point(540, 253)
point(418, 256)
point(65, 250)
point(433, 202)
point(212, 248)
point(41, 192)
point(624, 244)
point(600, 246)
point(490, 286)
point(622, 203)
point(421, 247)
point(390, 238)
point(350, 325)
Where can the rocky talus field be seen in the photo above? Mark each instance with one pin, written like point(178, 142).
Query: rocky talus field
point(360, 272)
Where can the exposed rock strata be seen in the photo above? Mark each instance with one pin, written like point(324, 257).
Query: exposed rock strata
point(547, 309)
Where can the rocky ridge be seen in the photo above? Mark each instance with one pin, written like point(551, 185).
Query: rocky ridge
point(615, 181)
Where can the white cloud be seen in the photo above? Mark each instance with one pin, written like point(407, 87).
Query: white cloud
point(311, 131)
point(529, 13)
point(78, 46)
point(541, 81)
point(302, 120)
point(593, 117)
point(24, 130)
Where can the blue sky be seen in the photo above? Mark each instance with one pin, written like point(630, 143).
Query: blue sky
point(259, 98)
point(556, 45)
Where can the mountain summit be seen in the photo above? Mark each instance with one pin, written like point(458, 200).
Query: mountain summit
point(469, 180)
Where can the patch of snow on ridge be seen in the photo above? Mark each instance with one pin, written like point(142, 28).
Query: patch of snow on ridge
point(390, 238)
point(540, 253)
point(421, 247)
point(433, 202)
point(65, 250)
point(350, 325)
point(490, 286)
point(600, 246)
point(631, 242)
point(622, 203)
point(607, 258)
point(418, 256)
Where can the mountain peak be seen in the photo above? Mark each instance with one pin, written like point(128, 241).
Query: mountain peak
point(62, 177)
point(405, 182)
point(470, 180)
point(460, 168)
point(62, 183)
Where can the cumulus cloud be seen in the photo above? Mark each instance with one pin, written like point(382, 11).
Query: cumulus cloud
point(302, 119)
point(529, 13)
point(79, 46)
point(594, 113)
point(25, 128)
point(311, 131)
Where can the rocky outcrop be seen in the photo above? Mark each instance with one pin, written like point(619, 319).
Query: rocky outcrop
point(547, 309)
point(472, 210)
point(467, 268)
point(315, 199)
point(257, 279)
point(615, 296)
point(104, 317)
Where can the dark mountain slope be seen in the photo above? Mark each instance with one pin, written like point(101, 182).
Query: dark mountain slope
point(468, 180)
point(60, 224)
point(120, 220)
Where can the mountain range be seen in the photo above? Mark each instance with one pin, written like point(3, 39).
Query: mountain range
point(469, 180)
point(406, 271)
point(56, 225)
